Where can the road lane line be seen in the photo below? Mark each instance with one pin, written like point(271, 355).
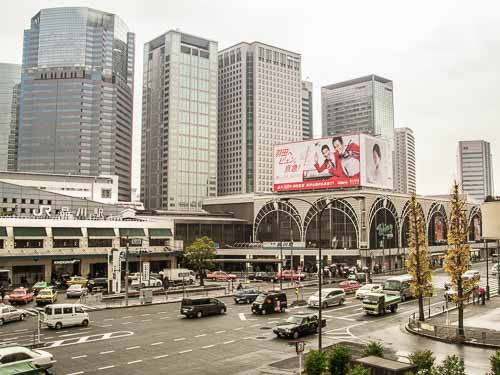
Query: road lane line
point(70, 334)
point(160, 356)
point(219, 332)
point(85, 329)
point(109, 319)
point(105, 367)
point(132, 348)
point(186, 351)
point(145, 314)
point(20, 330)
point(126, 317)
point(238, 329)
point(248, 338)
point(146, 320)
point(203, 335)
point(132, 362)
point(157, 343)
point(228, 342)
point(107, 325)
point(162, 312)
point(207, 346)
point(80, 356)
point(180, 339)
point(242, 316)
point(127, 323)
point(107, 352)
point(76, 373)
point(165, 317)
point(255, 325)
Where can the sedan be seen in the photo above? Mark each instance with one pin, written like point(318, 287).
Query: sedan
point(77, 280)
point(39, 286)
point(20, 295)
point(9, 314)
point(46, 297)
point(368, 288)
point(76, 291)
point(349, 286)
point(246, 295)
point(20, 354)
point(471, 274)
point(221, 275)
point(152, 282)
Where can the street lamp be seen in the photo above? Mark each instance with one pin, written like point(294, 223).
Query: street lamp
point(276, 207)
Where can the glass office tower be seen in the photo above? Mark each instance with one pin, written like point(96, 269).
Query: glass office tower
point(10, 76)
point(76, 99)
point(179, 122)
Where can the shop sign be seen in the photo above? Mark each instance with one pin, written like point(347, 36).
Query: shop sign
point(68, 261)
point(284, 245)
point(67, 213)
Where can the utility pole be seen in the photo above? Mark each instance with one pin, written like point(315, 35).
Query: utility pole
point(487, 271)
point(126, 272)
point(281, 249)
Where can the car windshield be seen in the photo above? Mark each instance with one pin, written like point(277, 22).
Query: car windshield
point(392, 285)
point(45, 293)
point(294, 319)
point(324, 293)
point(73, 287)
point(371, 298)
point(367, 287)
point(40, 284)
point(260, 298)
point(19, 292)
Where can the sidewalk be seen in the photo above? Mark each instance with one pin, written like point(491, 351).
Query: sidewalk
point(481, 323)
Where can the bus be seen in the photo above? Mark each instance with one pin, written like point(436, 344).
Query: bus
point(5, 279)
point(399, 286)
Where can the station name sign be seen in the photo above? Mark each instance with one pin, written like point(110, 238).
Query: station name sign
point(68, 213)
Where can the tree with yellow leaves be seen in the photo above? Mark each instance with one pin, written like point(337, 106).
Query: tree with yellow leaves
point(417, 261)
point(457, 258)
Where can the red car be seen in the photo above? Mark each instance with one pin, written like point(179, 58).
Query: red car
point(221, 275)
point(20, 295)
point(289, 275)
point(349, 286)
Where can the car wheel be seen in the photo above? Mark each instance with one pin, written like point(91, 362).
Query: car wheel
point(282, 309)
point(295, 335)
point(403, 298)
point(325, 305)
point(264, 312)
point(341, 302)
point(22, 317)
point(1, 322)
point(58, 326)
point(85, 323)
point(222, 311)
point(247, 300)
point(199, 314)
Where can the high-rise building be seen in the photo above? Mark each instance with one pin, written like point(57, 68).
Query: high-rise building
point(14, 129)
point(475, 169)
point(76, 99)
point(10, 76)
point(404, 161)
point(307, 110)
point(179, 122)
point(361, 105)
point(260, 104)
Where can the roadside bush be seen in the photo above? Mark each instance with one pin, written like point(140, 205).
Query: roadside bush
point(339, 359)
point(452, 365)
point(423, 359)
point(315, 363)
point(359, 370)
point(495, 363)
point(374, 348)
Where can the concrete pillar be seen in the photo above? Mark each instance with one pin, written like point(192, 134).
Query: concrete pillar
point(248, 265)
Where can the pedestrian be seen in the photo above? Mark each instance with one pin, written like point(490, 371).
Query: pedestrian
point(475, 295)
point(91, 287)
point(2, 292)
point(482, 295)
point(239, 287)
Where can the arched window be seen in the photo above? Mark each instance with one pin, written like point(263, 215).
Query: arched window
point(475, 224)
point(384, 224)
point(405, 227)
point(437, 225)
point(277, 221)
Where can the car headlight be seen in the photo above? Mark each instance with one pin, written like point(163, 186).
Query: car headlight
point(287, 330)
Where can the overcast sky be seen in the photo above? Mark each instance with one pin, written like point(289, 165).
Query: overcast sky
point(443, 56)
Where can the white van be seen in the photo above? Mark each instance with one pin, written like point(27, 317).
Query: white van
point(64, 315)
point(399, 286)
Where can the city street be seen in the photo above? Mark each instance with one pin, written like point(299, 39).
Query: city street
point(153, 339)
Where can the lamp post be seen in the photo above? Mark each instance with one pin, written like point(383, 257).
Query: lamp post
point(487, 271)
point(126, 272)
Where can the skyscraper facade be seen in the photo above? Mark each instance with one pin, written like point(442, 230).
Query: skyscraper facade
point(307, 110)
point(179, 122)
point(14, 129)
point(10, 76)
point(361, 105)
point(260, 104)
point(475, 169)
point(76, 100)
point(404, 161)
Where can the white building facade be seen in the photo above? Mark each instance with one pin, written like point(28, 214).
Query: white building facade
point(475, 169)
point(307, 110)
point(404, 161)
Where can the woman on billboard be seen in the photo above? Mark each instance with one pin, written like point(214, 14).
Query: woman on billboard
point(375, 174)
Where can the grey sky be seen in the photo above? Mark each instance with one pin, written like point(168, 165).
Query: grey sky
point(443, 57)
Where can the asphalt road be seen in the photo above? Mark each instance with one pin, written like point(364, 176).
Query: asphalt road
point(156, 339)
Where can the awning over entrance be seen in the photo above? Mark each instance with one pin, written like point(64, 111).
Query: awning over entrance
point(66, 232)
point(132, 232)
point(160, 232)
point(33, 232)
point(101, 232)
point(3, 232)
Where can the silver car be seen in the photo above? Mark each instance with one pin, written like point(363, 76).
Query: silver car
point(329, 297)
point(9, 313)
point(76, 291)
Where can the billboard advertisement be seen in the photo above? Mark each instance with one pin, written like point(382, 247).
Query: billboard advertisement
point(333, 162)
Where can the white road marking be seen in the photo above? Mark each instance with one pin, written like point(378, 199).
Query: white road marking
point(207, 346)
point(80, 356)
point(20, 330)
point(106, 325)
point(146, 320)
point(132, 347)
point(238, 329)
point(145, 314)
point(248, 338)
point(219, 332)
point(86, 339)
point(255, 325)
point(76, 373)
point(228, 342)
point(242, 316)
point(132, 362)
point(162, 312)
point(343, 318)
point(127, 323)
point(107, 352)
point(186, 351)
point(105, 367)
point(70, 334)
point(160, 356)
point(109, 319)
point(180, 339)
point(165, 317)
point(126, 317)
point(85, 329)
point(203, 335)
point(157, 343)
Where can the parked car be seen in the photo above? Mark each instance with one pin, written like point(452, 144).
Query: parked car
point(152, 282)
point(77, 280)
point(46, 296)
point(64, 315)
point(349, 286)
point(271, 302)
point(329, 297)
point(98, 283)
point(10, 313)
point(471, 275)
point(20, 354)
point(76, 291)
point(368, 288)
point(290, 275)
point(263, 276)
point(298, 325)
point(39, 286)
point(199, 307)
point(246, 295)
point(20, 296)
point(221, 275)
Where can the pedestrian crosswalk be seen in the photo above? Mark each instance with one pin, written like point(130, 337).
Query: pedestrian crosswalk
point(34, 311)
point(493, 282)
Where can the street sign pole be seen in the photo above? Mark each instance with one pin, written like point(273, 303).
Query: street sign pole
point(126, 273)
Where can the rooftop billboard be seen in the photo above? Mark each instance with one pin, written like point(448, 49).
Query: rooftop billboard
point(333, 162)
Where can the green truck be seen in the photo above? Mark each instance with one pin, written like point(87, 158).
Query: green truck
point(379, 303)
